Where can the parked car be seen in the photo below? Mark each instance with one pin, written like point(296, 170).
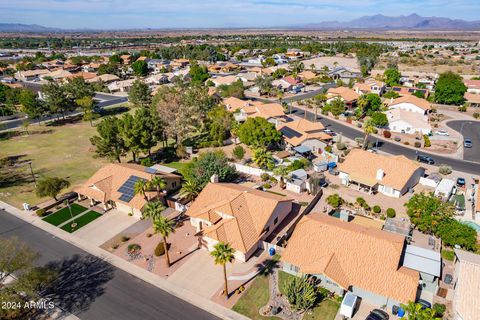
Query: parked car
point(442, 133)
point(460, 182)
point(329, 132)
point(377, 314)
point(425, 304)
point(467, 143)
point(425, 159)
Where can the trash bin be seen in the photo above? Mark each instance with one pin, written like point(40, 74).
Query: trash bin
point(271, 251)
point(401, 312)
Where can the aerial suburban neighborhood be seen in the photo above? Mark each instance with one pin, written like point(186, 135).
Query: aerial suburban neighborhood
point(260, 164)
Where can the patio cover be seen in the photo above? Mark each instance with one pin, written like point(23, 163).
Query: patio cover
point(422, 260)
point(359, 178)
point(302, 149)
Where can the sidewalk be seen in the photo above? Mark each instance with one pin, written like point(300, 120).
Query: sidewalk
point(184, 294)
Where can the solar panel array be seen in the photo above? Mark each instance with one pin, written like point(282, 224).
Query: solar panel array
point(290, 133)
point(127, 189)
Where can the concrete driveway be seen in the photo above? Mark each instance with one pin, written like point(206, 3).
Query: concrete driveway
point(107, 226)
point(199, 274)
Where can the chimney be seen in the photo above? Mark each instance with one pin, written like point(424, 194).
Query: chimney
point(380, 174)
point(214, 178)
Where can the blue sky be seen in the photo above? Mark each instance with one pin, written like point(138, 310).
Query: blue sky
point(109, 14)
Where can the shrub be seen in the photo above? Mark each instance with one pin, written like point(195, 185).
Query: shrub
point(397, 138)
point(462, 109)
point(476, 115)
point(115, 246)
point(265, 177)
point(301, 293)
point(377, 209)
point(41, 212)
point(444, 169)
point(387, 134)
point(335, 200)
point(417, 144)
point(273, 180)
point(328, 149)
point(159, 249)
point(266, 186)
point(124, 238)
point(426, 140)
point(149, 235)
point(130, 214)
point(448, 254)
point(238, 152)
point(133, 247)
point(406, 143)
point(391, 213)
point(341, 146)
point(147, 162)
point(439, 309)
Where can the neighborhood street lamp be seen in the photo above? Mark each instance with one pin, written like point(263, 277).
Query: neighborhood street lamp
point(67, 203)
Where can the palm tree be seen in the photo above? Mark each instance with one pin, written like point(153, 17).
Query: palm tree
point(157, 183)
point(263, 158)
point(282, 172)
point(140, 187)
point(223, 254)
point(190, 190)
point(165, 227)
point(153, 210)
point(368, 128)
point(320, 100)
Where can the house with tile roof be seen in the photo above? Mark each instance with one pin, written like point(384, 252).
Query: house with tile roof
point(113, 184)
point(238, 215)
point(392, 176)
point(402, 121)
point(243, 109)
point(473, 86)
point(472, 99)
point(370, 86)
point(410, 103)
point(342, 256)
point(347, 95)
point(466, 300)
point(304, 135)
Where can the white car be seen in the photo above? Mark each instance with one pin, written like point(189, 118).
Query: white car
point(442, 133)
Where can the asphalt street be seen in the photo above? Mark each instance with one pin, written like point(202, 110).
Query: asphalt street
point(93, 289)
point(393, 148)
point(468, 129)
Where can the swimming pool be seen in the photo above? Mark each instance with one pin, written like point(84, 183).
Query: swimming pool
point(472, 224)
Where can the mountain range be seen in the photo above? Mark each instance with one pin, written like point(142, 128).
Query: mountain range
point(379, 21)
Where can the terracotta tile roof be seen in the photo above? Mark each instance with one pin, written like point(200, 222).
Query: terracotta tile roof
point(291, 80)
point(347, 253)
point(345, 93)
point(307, 130)
point(104, 184)
point(367, 85)
point(421, 103)
point(243, 211)
point(268, 110)
point(472, 97)
point(466, 301)
point(472, 84)
point(233, 104)
point(104, 78)
point(362, 166)
point(307, 74)
point(224, 80)
point(84, 75)
point(31, 73)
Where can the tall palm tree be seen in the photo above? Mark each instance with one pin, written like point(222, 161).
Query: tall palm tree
point(320, 100)
point(165, 227)
point(140, 187)
point(158, 183)
point(282, 172)
point(368, 128)
point(153, 210)
point(223, 254)
point(190, 190)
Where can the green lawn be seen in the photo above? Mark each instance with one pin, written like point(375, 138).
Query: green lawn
point(83, 220)
point(176, 165)
point(325, 310)
point(254, 298)
point(63, 215)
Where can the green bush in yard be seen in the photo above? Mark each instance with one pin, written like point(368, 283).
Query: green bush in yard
point(391, 213)
point(238, 152)
point(476, 115)
point(41, 212)
point(426, 140)
point(439, 309)
point(301, 294)
point(160, 249)
point(377, 209)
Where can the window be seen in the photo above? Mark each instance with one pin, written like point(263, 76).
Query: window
point(174, 184)
point(275, 221)
point(267, 229)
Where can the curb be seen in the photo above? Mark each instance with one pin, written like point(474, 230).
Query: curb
point(157, 281)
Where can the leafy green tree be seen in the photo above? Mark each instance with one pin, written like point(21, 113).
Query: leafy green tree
point(268, 62)
point(258, 132)
point(206, 165)
point(391, 95)
point(115, 59)
point(263, 158)
point(87, 105)
point(77, 88)
point(31, 105)
point(296, 66)
point(140, 68)
point(51, 187)
point(335, 200)
point(3, 92)
point(56, 99)
point(219, 123)
point(301, 293)
point(419, 94)
point(223, 253)
point(198, 73)
point(279, 73)
point(369, 103)
point(392, 77)
point(165, 227)
point(107, 68)
point(453, 232)
point(426, 211)
point(140, 94)
point(264, 84)
point(235, 89)
point(379, 119)
point(109, 142)
point(450, 89)
point(337, 107)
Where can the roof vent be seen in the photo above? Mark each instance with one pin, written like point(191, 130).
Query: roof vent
point(214, 178)
point(380, 174)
